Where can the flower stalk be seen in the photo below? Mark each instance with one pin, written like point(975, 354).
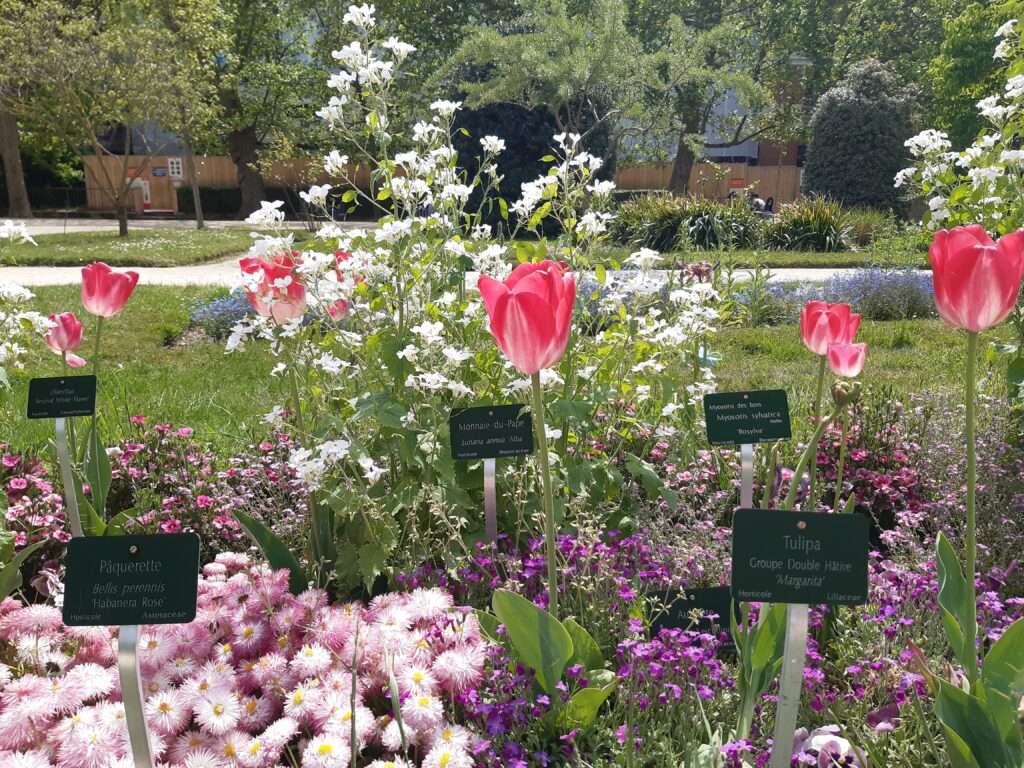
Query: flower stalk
point(549, 501)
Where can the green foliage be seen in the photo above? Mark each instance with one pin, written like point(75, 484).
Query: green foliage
point(955, 603)
point(981, 724)
point(858, 132)
point(278, 555)
point(759, 647)
point(810, 224)
point(667, 222)
point(549, 646)
point(10, 573)
point(964, 70)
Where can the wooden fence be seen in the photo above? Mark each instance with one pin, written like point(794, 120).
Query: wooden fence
point(716, 181)
point(162, 175)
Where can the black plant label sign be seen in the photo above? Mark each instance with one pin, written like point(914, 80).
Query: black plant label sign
point(780, 556)
point(734, 418)
point(61, 397)
point(490, 432)
point(704, 609)
point(115, 580)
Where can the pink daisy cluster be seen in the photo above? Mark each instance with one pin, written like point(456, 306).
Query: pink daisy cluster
point(260, 678)
point(35, 510)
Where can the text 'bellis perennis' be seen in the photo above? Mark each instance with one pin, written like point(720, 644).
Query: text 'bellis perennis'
point(531, 313)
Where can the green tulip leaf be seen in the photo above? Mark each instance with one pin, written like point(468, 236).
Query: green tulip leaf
point(585, 650)
point(538, 638)
point(581, 710)
point(10, 574)
point(954, 599)
point(277, 554)
point(98, 474)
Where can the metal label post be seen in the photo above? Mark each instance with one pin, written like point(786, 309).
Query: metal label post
point(746, 475)
point(67, 477)
point(128, 635)
point(490, 500)
point(790, 685)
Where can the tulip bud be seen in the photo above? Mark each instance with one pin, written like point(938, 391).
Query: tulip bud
point(846, 393)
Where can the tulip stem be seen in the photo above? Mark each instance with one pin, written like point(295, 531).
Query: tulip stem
point(549, 501)
point(842, 458)
point(971, 622)
point(94, 434)
point(293, 377)
point(812, 472)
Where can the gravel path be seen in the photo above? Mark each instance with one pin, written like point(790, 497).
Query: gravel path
point(225, 273)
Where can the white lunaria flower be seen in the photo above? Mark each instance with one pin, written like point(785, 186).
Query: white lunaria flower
point(1006, 29)
point(269, 215)
point(446, 108)
point(398, 48)
point(336, 163)
point(360, 16)
point(317, 194)
point(601, 188)
point(645, 258)
point(492, 144)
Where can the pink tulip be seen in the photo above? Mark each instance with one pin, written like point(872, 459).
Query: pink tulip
point(847, 359)
point(104, 291)
point(824, 324)
point(280, 294)
point(65, 337)
point(976, 280)
point(530, 313)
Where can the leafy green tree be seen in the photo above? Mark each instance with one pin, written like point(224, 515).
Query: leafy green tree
point(585, 68)
point(81, 70)
point(857, 137)
point(964, 72)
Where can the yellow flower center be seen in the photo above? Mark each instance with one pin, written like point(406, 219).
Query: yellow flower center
point(164, 707)
point(446, 734)
point(417, 677)
point(255, 748)
point(325, 749)
point(229, 749)
point(346, 715)
point(250, 706)
point(194, 742)
point(445, 759)
point(248, 632)
point(218, 709)
point(423, 701)
point(297, 698)
point(282, 641)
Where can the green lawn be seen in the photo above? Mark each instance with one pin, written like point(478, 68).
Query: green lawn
point(141, 248)
point(783, 259)
point(224, 397)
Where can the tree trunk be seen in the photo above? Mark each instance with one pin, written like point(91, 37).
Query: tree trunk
point(122, 219)
point(682, 166)
point(242, 147)
point(18, 205)
point(193, 180)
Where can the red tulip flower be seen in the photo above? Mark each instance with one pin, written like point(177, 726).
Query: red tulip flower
point(976, 283)
point(279, 294)
point(822, 325)
point(104, 291)
point(65, 337)
point(530, 313)
point(847, 359)
point(976, 280)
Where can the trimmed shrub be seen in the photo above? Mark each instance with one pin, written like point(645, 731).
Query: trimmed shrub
point(810, 224)
point(667, 222)
point(857, 135)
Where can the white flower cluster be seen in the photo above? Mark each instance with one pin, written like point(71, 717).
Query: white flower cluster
point(18, 327)
point(973, 186)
